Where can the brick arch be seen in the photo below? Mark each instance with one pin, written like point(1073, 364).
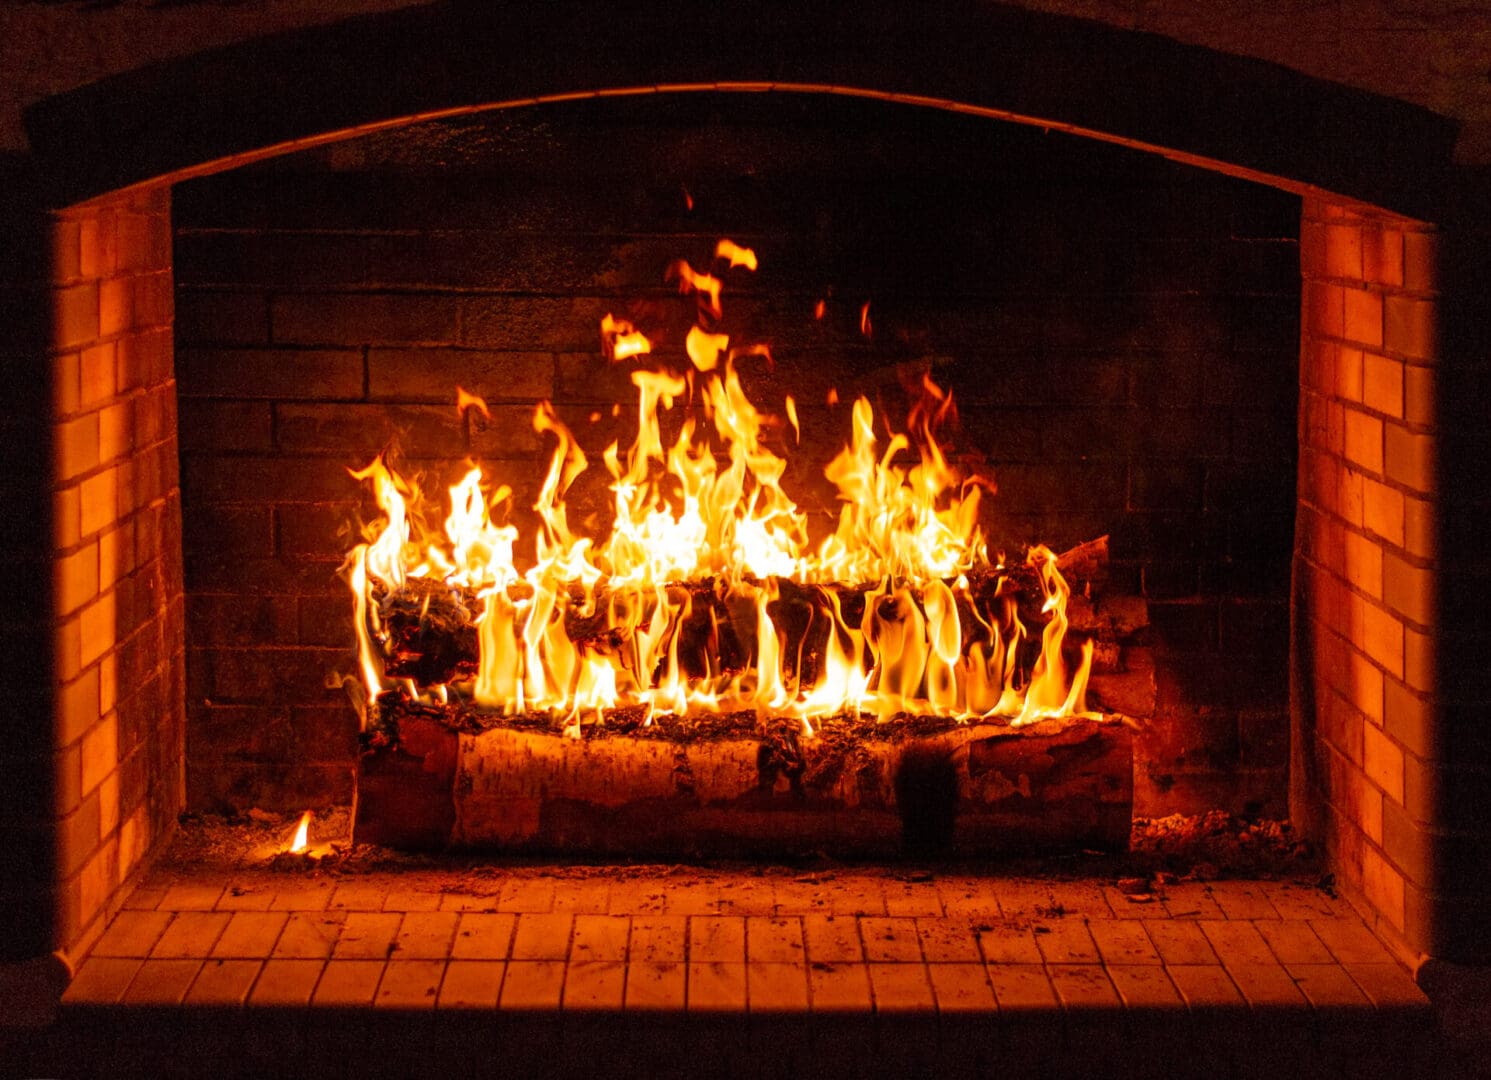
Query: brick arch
point(274, 95)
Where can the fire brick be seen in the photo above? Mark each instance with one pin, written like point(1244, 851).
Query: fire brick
point(1343, 251)
point(334, 318)
point(1382, 384)
point(1124, 941)
point(656, 987)
point(1363, 317)
point(1419, 661)
point(1409, 590)
point(1382, 883)
point(1411, 327)
point(297, 374)
point(116, 305)
point(1410, 719)
point(100, 752)
point(776, 988)
point(348, 983)
point(1382, 511)
point(431, 375)
point(1364, 440)
point(1365, 689)
point(1293, 942)
point(471, 984)
point(713, 939)
point(1410, 458)
point(901, 988)
point(75, 315)
point(1382, 760)
point(1421, 262)
point(76, 448)
point(409, 984)
point(1382, 255)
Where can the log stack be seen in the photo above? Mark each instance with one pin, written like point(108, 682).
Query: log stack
point(450, 777)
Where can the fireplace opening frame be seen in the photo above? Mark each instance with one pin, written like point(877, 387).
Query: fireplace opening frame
point(1380, 760)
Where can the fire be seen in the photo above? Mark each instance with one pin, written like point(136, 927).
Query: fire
point(710, 592)
point(302, 834)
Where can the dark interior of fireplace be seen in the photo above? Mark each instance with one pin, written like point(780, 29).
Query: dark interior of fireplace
point(1120, 333)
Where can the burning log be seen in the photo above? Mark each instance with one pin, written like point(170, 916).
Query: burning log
point(429, 633)
point(1086, 561)
point(730, 786)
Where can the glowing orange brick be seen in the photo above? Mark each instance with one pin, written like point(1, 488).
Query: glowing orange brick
point(1383, 884)
point(1382, 255)
point(1382, 384)
point(1343, 251)
point(1363, 440)
point(1363, 316)
point(1411, 327)
point(1382, 637)
point(1382, 760)
point(1382, 511)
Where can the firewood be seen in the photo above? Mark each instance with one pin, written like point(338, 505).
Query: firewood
point(730, 786)
point(429, 634)
point(1086, 561)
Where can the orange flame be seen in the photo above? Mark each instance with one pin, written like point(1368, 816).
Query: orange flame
point(689, 280)
point(302, 834)
point(466, 401)
point(735, 255)
point(620, 340)
point(683, 605)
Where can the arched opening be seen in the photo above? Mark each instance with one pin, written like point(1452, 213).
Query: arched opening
point(115, 149)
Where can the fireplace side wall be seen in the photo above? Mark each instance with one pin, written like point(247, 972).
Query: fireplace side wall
point(118, 710)
point(1366, 749)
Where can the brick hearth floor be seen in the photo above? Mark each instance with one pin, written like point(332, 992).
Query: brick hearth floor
point(705, 973)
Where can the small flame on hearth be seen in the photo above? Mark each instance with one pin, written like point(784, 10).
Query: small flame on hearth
point(302, 834)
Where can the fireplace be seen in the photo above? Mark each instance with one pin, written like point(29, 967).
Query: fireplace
point(1116, 336)
point(167, 681)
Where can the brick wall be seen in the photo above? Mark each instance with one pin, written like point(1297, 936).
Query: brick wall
point(1120, 332)
point(116, 574)
point(1366, 572)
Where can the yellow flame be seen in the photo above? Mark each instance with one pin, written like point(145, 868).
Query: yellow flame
point(690, 280)
point(620, 340)
point(302, 834)
point(708, 592)
point(735, 255)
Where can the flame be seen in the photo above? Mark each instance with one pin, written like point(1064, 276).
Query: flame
point(466, 401)
point(689, 280)
point(735, 255)
point(710, 592)
point(620, 340)
point(865, 327)
point(302, 834)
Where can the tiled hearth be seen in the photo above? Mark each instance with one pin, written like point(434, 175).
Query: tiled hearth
point(753, 973)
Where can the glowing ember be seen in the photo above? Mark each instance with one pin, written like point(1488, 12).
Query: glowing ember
point(709, 593)
point(302, 834)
